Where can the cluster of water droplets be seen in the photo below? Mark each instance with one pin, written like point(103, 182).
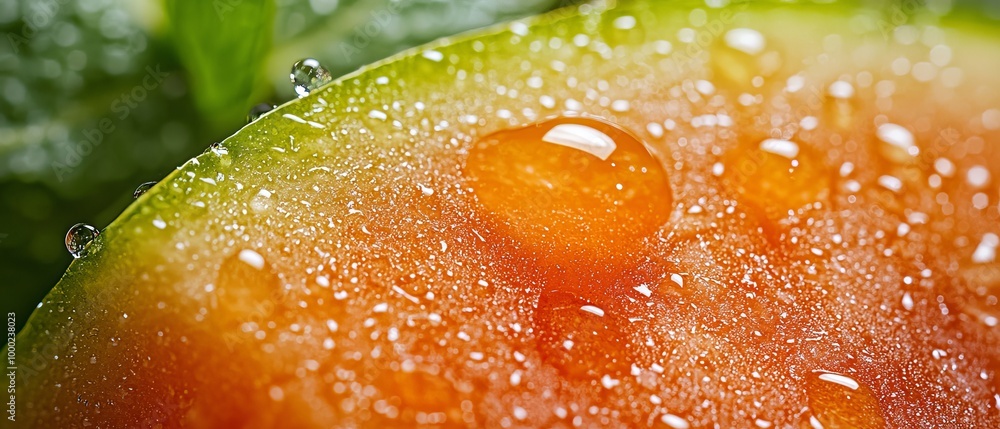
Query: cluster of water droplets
point(307, 75)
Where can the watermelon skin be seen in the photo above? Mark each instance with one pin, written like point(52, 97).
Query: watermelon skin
point(333, 263)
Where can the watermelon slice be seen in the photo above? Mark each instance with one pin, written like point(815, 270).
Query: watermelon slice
point(652, 214)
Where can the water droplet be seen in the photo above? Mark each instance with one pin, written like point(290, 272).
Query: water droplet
point(579, 187)
point(577, 340)
point(978, 176)
point(986, 250)
point(259, 110)
point(141, 189)
point(307, 75)
point(897, 143)
point(740, 57)
point(261, 201)
point(622, 29)
point(841, 401)
point(79, 237)
point(841, 90)
point(782, 174)
point(745, 40)
point(675, 422)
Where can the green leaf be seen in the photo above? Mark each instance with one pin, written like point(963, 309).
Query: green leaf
point(223, 45)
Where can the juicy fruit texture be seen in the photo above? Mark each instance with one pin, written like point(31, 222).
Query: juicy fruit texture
point(805, 236)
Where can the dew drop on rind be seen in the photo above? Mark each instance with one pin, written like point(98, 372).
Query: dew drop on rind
point(79, 237)
point(783, 174)
point(840, 401)
point(580, 189)
point(307, 75)
point(141, 189)
point(259, 110)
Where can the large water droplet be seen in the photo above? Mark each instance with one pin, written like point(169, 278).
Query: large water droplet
point(308, 75)
point(141, 189)
point(79, 237)
point(581, 188)
point(840, 401)
point(259, 110)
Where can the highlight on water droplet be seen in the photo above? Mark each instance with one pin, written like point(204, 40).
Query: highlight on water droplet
point(141, 189)
point(307, 75)
point(259, 110)
point(578, 186)
point(79, 237)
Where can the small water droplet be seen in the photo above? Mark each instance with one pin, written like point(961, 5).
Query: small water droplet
point(622, 28)
point(745, 40)
point(740, 57)
point(841, 90)
point(261, 201)
point(307, 75)
point(675, 421)
point(79, 237)
point(259, 110)
point(141, 189)
point(784, 174)
point(577, 338)
point(897, 143)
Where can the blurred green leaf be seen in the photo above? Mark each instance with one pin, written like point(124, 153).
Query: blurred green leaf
point(223, 45)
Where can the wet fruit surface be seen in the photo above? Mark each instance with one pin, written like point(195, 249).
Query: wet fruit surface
point(580, 222)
